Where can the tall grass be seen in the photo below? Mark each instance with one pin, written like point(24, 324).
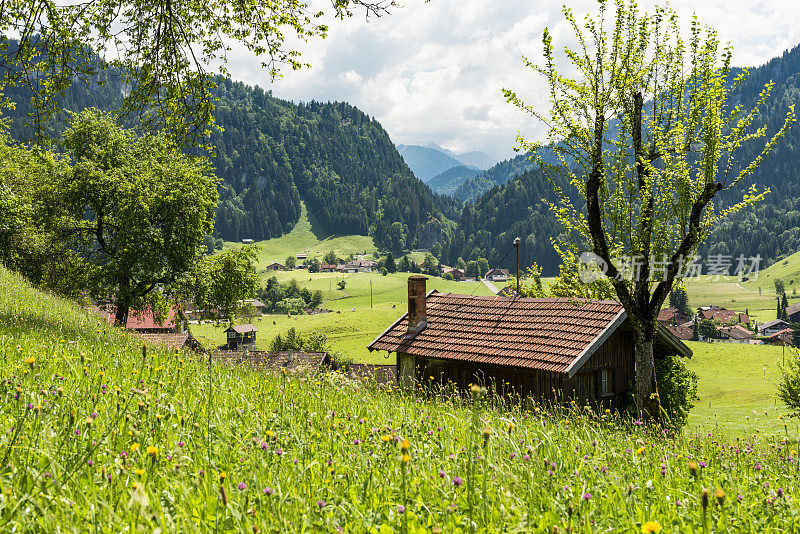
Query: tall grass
point(96, 435)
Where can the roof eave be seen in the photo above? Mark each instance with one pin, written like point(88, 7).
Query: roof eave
point(594, 345)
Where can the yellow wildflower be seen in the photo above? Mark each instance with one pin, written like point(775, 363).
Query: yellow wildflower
point(152, 450)
point(650, 527)
point(135, 447)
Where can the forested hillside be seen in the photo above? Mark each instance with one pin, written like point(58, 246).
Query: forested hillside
point(271, 153)
point(445, 183)
point(771, 228)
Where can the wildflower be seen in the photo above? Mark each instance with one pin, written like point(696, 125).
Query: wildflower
point(152, 451)
point(139, 472)
point(279, 452)
point(586, 496)
point(441, 473)
point(263, 445)
point(181, 444)
point(720, 496)
point(640, 450)
point(267, 491)
point(134, 447)
point(457, 482)
point(386, 438)
point(405, 445)
point(321, 503)
point(401, 509)
point(704, 499)
point(405, 458)
point(650, 527)
point(693, 469)
point(31, 360)
point(241, 486)
point(222, 476)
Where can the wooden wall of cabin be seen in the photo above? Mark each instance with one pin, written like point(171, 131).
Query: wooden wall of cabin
point(615, 356)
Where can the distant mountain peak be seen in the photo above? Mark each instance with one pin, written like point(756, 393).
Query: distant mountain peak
point(429, 160)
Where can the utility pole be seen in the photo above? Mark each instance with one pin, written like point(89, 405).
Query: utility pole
point(370, 292)
point(516, 246)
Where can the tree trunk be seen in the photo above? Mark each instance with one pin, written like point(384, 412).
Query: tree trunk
point(121, 316)
point(648, 404)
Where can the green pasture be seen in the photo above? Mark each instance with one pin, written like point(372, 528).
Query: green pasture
point(308, 237)
point(98, 437)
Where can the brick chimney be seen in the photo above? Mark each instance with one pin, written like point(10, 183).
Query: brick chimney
point(417, 309)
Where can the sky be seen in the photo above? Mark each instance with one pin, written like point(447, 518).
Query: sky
point(433, 72)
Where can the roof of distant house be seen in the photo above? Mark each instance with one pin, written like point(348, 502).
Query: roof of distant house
point(242, 328)
point(684, 333)
point(782, 333)
point(773, 323)
point(736, 332)
point(145, 320)
point(549, 334)
point(667, 314)
point(497, 272)
point(794, 308)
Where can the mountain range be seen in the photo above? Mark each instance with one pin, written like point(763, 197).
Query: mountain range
point(427, 161)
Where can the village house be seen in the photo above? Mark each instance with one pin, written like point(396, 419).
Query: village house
point(456, 273)
point(684, 332)
point(793, 313)
point(349, 269)
point(772, 327)
point(552, 349)
point(275, 266)
point(171, 331)
point(734, 334)
point(672, 317)
point(259, 306)
point(241, 336)
point(781, 338)
point(723, 315)
point(497, 275)
point(301, 256)
point(327, 268)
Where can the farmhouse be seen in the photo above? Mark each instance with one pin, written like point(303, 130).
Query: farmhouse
point(257, 304)
point(497, 275)
point(171, 331)
point(275, 266)
point(773, 327)
point(672, 317)
point(793, 313)
point(735, 334)
point(326, 268)
point(723, 315)
point(782, 337)
point(456, 273)
point(548, 348)
point(241, 335)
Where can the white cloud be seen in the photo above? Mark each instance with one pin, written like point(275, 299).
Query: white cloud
point(433, 72)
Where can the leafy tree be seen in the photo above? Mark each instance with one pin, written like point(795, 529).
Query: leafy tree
point(331, 258)
point(341, 284)
point(162, 51)
point(313, 267)
point(291, 306)
point(389, 264)
point(218, 284)
point(291, 261)
point(460, 264)
point(679, 299)
point(472, 270)
point(483, 267)
point(780, 288)
point(707, 328)
point(138, 208)
point(646, 173)
point(677, 388)
point(430, 265)
point(789, 384)
point(384, 271)
point(209, 243)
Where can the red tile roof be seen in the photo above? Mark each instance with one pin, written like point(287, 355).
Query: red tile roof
point(144, 320)
point(685, 333)
point(546, 334)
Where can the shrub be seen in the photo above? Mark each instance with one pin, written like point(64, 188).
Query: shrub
point(677, 389)
point(789, 384)
point(293, 305)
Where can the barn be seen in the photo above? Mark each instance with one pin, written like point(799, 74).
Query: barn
point(546, 348)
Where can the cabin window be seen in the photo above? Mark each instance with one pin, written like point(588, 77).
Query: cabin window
point(605, 382)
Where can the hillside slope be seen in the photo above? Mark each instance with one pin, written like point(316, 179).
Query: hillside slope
point(97, 437)
point(426, 162)
point(272, 153)
point(447, 182)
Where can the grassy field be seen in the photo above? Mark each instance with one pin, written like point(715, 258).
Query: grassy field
point(308, 237)
point(353, 324)
point(738, 390)
point(96, 437)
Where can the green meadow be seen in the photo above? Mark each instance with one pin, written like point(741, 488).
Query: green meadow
point(97, 436)
point(308, 237)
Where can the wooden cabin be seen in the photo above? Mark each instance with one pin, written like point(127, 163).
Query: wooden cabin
point(241, 335)
point(552, 349)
